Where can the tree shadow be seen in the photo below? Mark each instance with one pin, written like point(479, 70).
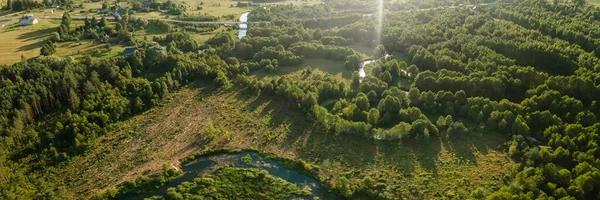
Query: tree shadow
point(316, 145)
point(467, 146)
point(427, 153)
point(36, 35)
point(31, 46)
point(463, 149)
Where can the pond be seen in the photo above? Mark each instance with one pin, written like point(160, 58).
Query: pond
point(208, 165)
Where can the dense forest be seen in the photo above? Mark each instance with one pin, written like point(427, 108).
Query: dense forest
point(528, 69)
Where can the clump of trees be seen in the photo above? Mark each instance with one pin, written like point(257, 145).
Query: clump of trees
point(48, 49)
point(21, 5)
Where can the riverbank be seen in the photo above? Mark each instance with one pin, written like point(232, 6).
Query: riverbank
point(205, 164)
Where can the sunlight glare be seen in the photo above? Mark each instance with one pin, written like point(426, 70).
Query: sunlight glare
point(379, 21)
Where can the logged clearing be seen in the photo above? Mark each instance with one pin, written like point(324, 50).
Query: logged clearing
point(177, 129)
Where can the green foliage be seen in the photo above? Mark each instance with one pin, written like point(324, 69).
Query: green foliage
point(528, 69)
point(379, 51)
point(48, 49)
point(247, 159)
point(212, 132)
point(141, 184)
point(237, 183)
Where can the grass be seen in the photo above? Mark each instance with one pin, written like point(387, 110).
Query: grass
point(217, 8)
point(177, 129)
point(594, 2)
point(27, 40)
point(367, 52)
point(333, 67)
point(225, 7)
point(211, 7)
point(43, 12)
point(17, 41)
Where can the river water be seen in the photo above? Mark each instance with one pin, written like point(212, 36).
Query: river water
point(361, 68)
point(243, 25)
point(208, 165)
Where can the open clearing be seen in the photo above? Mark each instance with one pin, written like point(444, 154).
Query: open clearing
point(17, 41)
point(335, 68)
point(175, 130)
point(24, 40)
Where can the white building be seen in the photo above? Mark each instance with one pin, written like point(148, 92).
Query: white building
point(28, 20)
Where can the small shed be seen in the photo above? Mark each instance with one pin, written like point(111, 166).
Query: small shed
point(25, 22)
point(28, 20)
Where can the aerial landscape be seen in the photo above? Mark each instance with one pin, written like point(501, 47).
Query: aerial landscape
point(299, 99)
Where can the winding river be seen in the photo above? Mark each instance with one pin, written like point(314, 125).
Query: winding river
point(208, 165)
point(361, 68)
point(243, 25)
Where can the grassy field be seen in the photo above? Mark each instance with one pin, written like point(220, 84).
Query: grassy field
point(335, 68)
point(226, 7)
point(17, 41)
point(43, 12)
point(26, 41)
point(367, 52)
point(594, 2)
point(175, 130)
point(218, 8)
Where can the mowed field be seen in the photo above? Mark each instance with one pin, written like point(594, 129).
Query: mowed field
point(26, 41)
point(176, 130)
point(17, 41)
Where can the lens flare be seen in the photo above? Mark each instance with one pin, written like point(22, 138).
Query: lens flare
point(379, 21)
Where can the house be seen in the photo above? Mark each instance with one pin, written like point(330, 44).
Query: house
point(28, 20)
point(25, 22)
point(54, 5)
point(129, 51)
point(202, 51)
